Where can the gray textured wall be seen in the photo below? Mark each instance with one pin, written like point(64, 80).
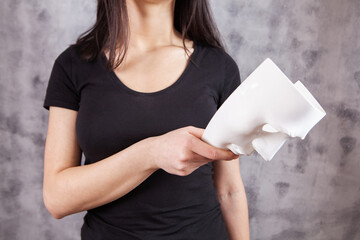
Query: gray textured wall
point(311, 188)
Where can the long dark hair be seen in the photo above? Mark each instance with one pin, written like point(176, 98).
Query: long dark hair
point(192, 18)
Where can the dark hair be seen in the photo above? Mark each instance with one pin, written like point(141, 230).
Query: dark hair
point(192, 18)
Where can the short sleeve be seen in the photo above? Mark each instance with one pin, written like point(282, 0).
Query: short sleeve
point(61, 90)
point(232, 79)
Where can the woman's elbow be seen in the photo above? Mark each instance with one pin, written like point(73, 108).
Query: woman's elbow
point(57, 215)
point(50, 204)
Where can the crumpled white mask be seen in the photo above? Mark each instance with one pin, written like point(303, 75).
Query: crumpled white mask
point(262, 113)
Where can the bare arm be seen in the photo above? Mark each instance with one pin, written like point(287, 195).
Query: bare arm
point(232, 197)
point(70, 188)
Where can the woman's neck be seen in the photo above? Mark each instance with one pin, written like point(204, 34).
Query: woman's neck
point(151, 24)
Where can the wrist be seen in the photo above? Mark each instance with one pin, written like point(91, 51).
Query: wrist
point(148, 148)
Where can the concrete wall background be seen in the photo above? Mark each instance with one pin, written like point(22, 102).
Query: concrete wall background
point(311, 188)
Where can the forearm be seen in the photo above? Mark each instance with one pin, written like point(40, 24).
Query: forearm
point(85, 187)
point(235, 212)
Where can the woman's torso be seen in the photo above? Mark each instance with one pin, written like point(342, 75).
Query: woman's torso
point(113, 116)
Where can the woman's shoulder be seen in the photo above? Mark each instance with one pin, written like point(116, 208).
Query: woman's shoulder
point(69, 54)
point(217, 52)
point(219, 55)
point(70, 59)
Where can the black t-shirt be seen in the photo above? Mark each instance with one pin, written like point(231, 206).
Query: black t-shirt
point(112, 117)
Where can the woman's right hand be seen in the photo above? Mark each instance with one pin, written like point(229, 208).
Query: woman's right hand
point(182, 151)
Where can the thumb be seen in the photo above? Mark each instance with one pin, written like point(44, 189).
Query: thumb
point(197, 132)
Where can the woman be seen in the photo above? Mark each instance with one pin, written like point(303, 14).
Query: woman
point(128, 97)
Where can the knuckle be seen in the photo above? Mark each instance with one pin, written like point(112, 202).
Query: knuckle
point(182, 173)
point(190, 127)
point(183, 156)
point(213, 154)
point(186, 129)
point(183, 169)
point(180, 166)
point(185, 172)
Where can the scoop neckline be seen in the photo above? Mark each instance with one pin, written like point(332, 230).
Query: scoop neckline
point(180, 79)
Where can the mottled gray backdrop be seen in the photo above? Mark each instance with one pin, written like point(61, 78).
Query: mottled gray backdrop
point(311, 188)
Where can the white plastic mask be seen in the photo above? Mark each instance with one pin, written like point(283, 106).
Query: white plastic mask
point(265, 110)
